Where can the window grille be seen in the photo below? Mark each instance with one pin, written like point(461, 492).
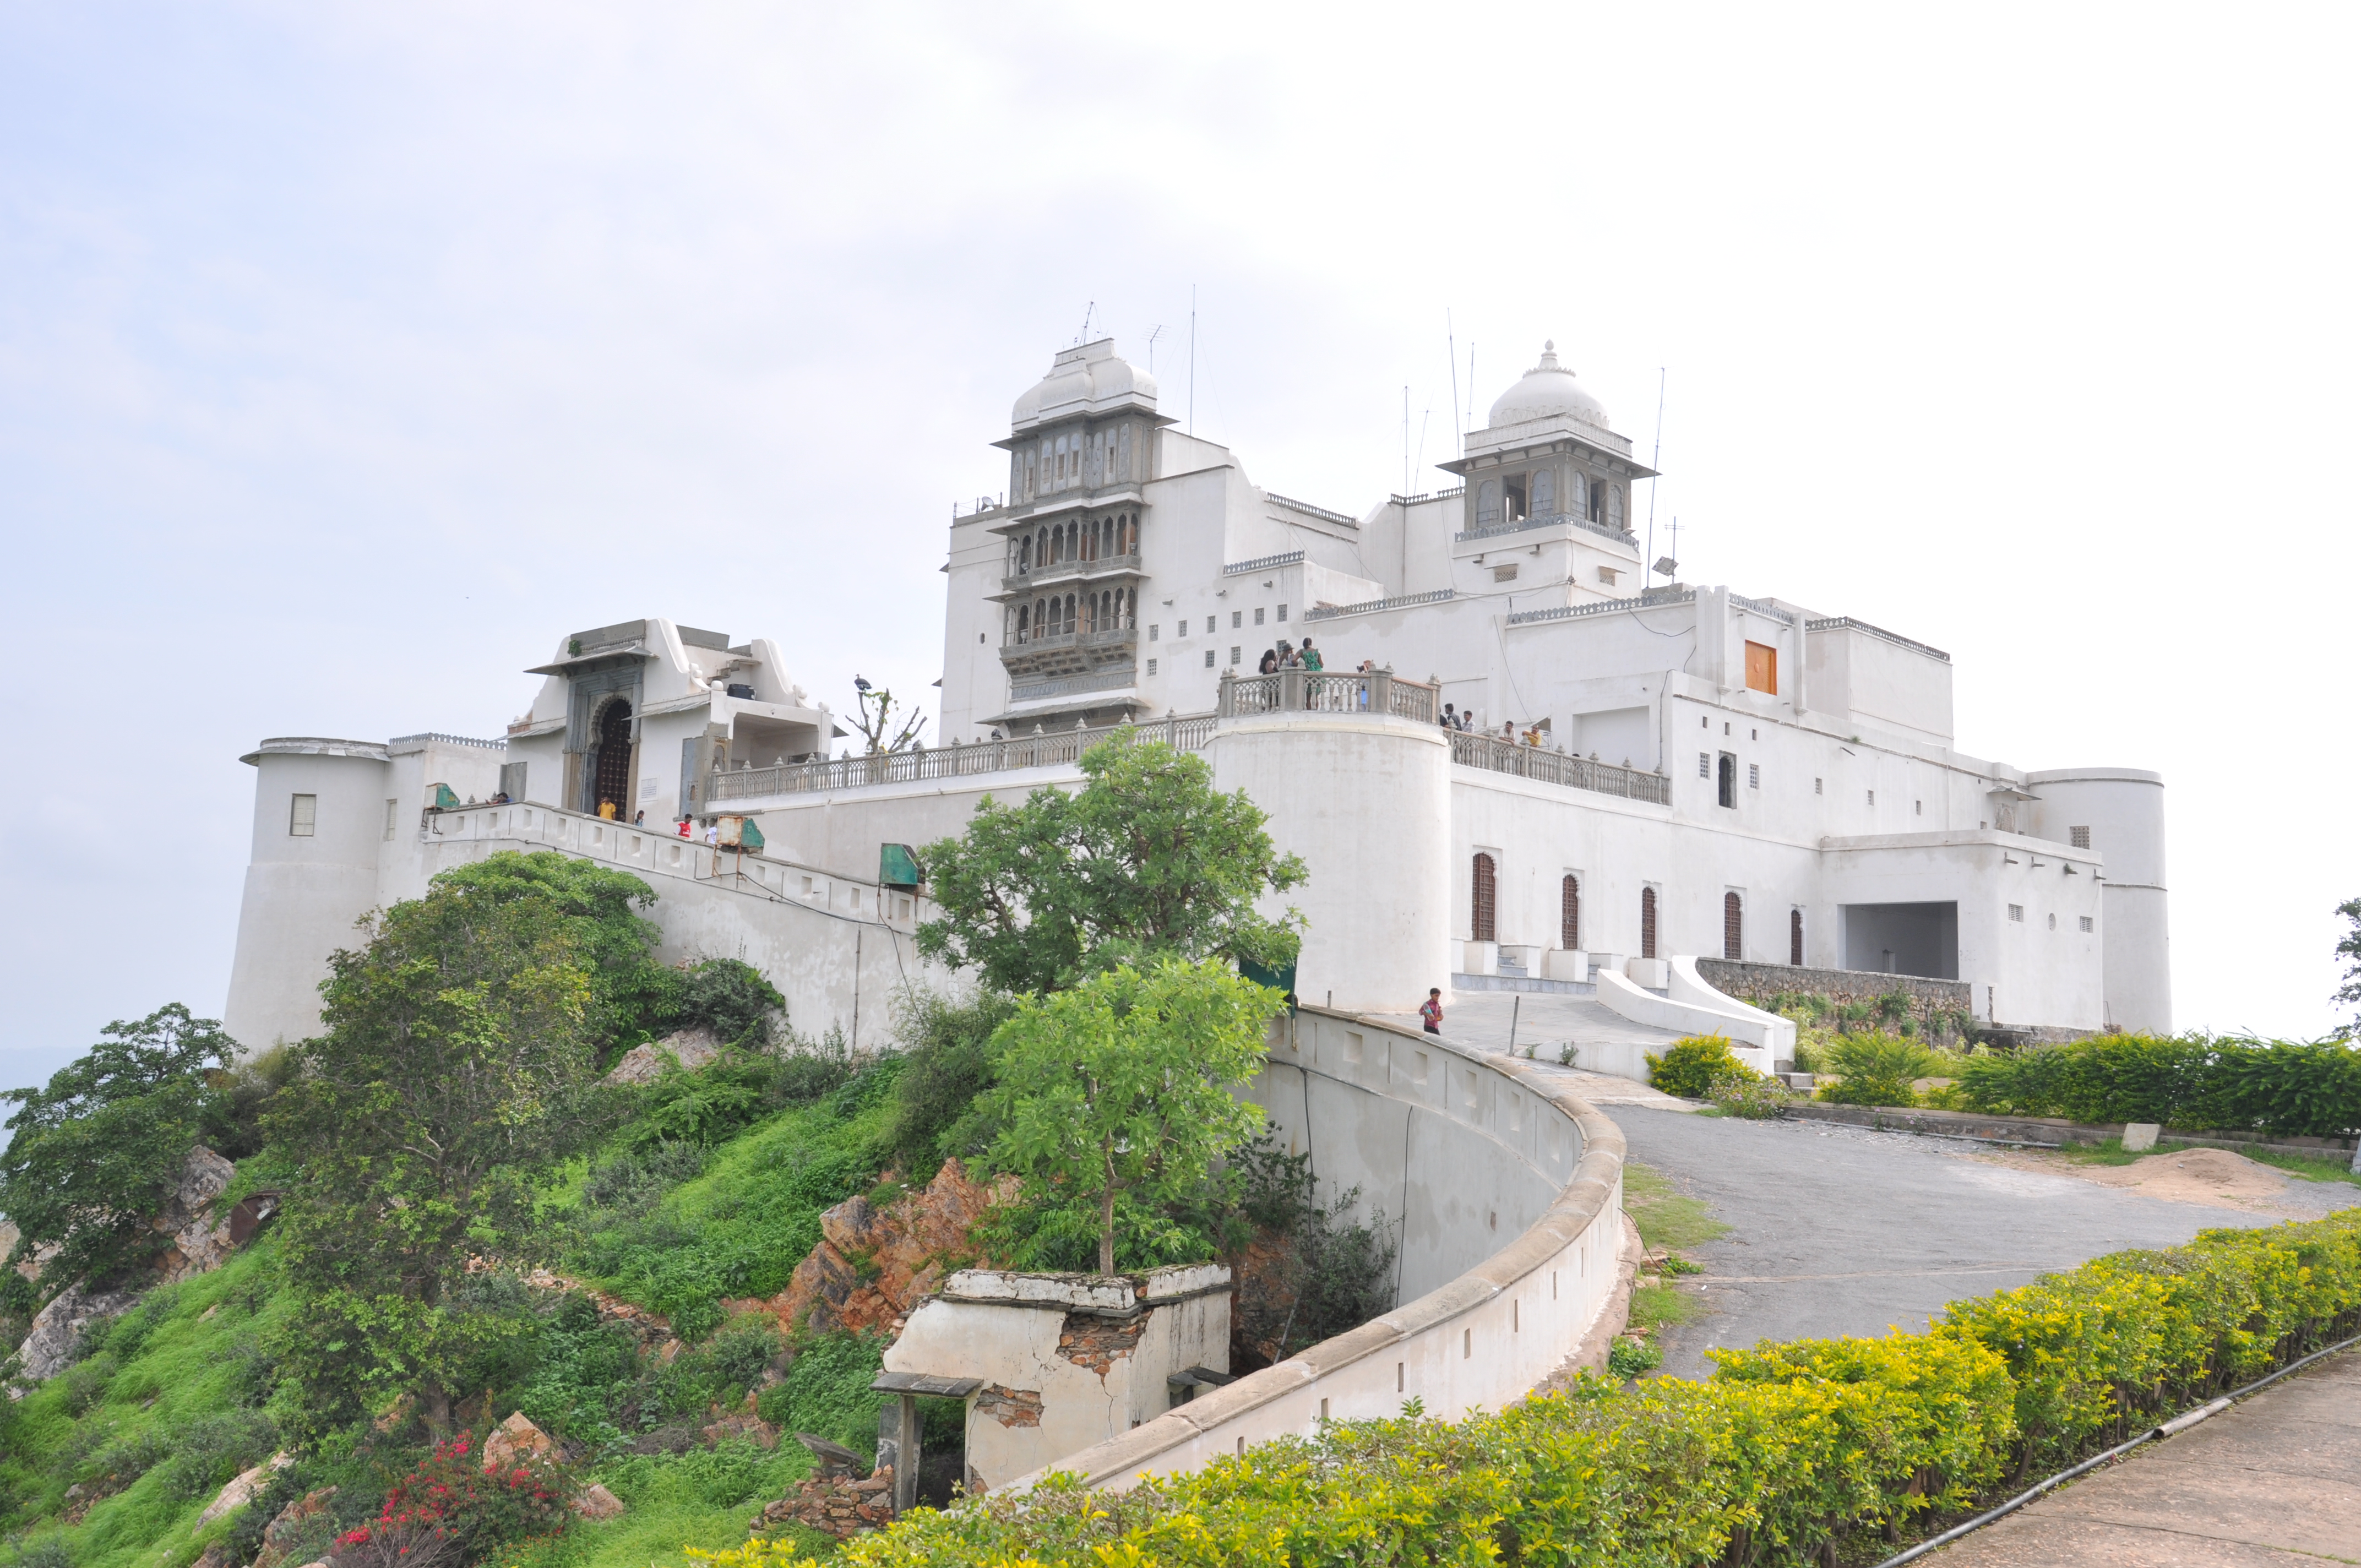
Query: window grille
point(1754, 775)
point(1283, 612)
point(1796, 937)
point(1647, 922)
point(1569, 912)
point(302, 814)
point(2079, 836)
point(2017, 913)
point(2088, 923)
point(1151, 666)
point(1733, 926)
point(1237, 620)
point(1234, 655)
point(1156, 632)
point(1705, 764)
point(1209, 625)
point(1815, 787)
point(1482, 926)
point(1209, 658)
point(1872, 798)
point(1258, 615)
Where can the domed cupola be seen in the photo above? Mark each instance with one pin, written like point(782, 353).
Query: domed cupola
point(1089, 379)
point(1546, 390)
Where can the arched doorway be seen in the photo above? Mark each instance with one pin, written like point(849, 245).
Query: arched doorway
point(1647, 922)
point(610, 770)
point(1733, 926)
point(1481, 926)
point(1569, 912)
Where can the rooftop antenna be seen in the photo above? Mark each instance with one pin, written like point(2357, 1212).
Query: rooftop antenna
point(1088, 310)
point(1451, 352)
point(1151, 356)
point(1471, 382)
point(1192, 358)
point(1655, 457)
point(1405, 489)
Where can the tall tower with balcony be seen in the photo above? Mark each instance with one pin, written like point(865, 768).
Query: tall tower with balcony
point(1547, 476)
point(1082, 447)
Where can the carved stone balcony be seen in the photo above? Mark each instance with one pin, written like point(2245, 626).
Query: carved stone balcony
point(1069, 653)
point(1065, 574)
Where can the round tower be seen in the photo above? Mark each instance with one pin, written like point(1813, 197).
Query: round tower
point(2119, 813)
point(322, 810)
point(1365, 800)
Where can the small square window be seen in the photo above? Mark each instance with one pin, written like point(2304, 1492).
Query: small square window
point(303, 816)
point(1155, 632)
point(1209, 658)
point(1209, 625)
point(2081, 839)
point(1705, 764)
point(2053, 922)
point(2017, 913)
point(1283, 612)
point(1754, 735)
point(1234, 655)
point(1151, 666)
point(1237, 619)
point(1815, 787)
point(1607, 574)
point(1258, 615)
point(2088, 925)
point(1917, 808)
point(1872, 798)
point(1754, 775)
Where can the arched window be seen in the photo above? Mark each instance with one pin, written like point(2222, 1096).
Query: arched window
point(1024, 555)
point(1090, 621)
point(1796, 937)
point(1544, 492)
point(1576, 495)
point(1487, 504)
point(1614, 505)
point(1733, 926)
point(1482, 924)
point(1069, 615)
point(1024, 621)
point(1569, 912)
point(1647, 922)
point(1597, 510)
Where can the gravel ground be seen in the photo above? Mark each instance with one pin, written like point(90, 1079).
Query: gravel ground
point(1845, 1231)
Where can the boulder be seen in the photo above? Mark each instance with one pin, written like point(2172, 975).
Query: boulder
point(199, 1244)
point(692, 1049)
point(240, 1490)
point(58, 1328)
point(515, 1442)
point(285, 1531)
point(595, 1502)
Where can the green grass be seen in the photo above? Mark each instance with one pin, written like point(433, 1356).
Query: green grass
point(1667, 1219)
point(1655, 1306)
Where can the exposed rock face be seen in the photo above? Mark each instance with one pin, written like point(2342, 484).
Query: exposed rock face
point(874, 1266)
point(240, 1490)
point(200, 1243)
point(595, 1502)
point(283, 1534)
point(515, 1442)
point(692, 1049)
point(58, 1327)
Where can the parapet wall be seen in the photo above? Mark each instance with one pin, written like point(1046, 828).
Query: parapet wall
point(1508, 1190)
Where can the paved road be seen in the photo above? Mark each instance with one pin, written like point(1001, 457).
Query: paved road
point(1845, 1230)
point(2275, 1481)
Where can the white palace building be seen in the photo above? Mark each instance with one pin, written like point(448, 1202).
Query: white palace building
point(1720, 779)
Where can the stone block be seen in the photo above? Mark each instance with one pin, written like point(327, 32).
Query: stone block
point(2139, 1136)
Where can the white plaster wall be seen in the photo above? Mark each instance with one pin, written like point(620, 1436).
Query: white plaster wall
point(2123, 809)
point(1363, 799)
point(1481, 1340)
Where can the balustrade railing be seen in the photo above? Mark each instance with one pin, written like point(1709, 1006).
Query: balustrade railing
point(1072, 570)
point(1327, 691)
point(1558, 768)
point(1044, 748)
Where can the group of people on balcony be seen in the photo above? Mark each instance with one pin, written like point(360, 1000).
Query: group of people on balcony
point(1288, 656)
point(1534, 734)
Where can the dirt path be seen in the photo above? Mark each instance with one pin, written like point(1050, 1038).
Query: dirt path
point(2214, 1178)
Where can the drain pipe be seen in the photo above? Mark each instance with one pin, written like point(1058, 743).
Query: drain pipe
point(2177, 1424)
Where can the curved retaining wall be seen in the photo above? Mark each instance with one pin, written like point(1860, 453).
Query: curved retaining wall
point(1509, 1193)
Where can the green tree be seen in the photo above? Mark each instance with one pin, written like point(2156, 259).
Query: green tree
point(1146, 860)
point(1119, 1087)
point(453, 1071)
point(93, 1155)
point(632, 997)
point(2348, 947)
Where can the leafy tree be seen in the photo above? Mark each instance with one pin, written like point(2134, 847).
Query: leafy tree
point(94, 1156)
point(457, 1049)
point(947, 1055)
point(2348, 947)
point(1146, 860)
point(1119, 1085)
point(631, 997)
point(730, 998)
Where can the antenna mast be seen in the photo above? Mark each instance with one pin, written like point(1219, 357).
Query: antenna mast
point(1192, 358)
point(1151, 358)
point(1451, 352)
point(1655, 458)
point(1088, 310)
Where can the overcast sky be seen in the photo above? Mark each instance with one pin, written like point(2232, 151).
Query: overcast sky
point(352, 355)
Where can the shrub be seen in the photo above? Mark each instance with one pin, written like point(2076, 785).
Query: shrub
point(1878, 1069)
point(1330, 1273)
point(947, 1050)
point(1757, 1098)
point(1690, 1068)
point(826, 1391)
point(1785, 1452)
point(2304, 1088)
point(1627, 1359)
point(449, 1508)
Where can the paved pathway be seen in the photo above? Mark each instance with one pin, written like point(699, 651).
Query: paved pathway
point(2276, 1480)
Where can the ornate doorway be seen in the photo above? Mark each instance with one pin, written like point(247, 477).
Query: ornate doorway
point(612, 766)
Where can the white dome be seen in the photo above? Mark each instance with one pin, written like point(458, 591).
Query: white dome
point(1087, 379)
point(1547, 389)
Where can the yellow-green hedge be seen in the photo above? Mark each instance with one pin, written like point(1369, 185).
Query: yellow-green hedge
point(1786, 1446)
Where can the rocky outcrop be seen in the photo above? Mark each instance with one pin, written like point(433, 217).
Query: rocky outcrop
point(240, 1490)
point(595, 1502)
point(515, 1442)
point(58, 1328)
point(835, 1504)
point(297, 1524)
point(200, 1243)
point(691, 1048)
point(874, 1264)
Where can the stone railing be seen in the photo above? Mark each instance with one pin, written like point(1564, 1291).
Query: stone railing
point(1038, 643)
point(1371, 607)
point(1648, 600)
point(1558, 768)
point(1323, 691)
point(1064, 572)
point(1262, 562)
point(1308, 509)
point(1554, 519)
point(1491, 1148)
point(1043, 749)
point(1847, 623)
